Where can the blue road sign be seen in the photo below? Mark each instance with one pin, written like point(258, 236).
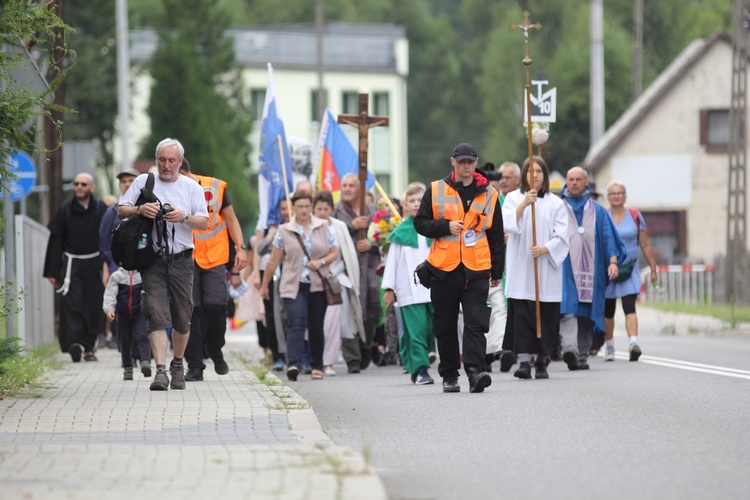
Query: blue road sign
point(22, 166)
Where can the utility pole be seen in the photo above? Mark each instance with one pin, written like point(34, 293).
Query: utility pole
point(638, 49)
point(51, 138)
point(736, 263)
point(596, 102)
point(320, 64)
point(123, 81)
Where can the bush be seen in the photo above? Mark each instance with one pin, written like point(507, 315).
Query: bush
point(20, 368)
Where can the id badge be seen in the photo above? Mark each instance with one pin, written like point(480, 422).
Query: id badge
point(470, 238)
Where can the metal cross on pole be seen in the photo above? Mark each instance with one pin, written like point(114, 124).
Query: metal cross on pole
point(526, 26)
point(364, 123)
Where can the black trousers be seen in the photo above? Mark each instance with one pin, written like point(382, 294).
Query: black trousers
point(523, 317)
point(208, 324)
point(81, 315)
point(132, 331)
point(447, 295)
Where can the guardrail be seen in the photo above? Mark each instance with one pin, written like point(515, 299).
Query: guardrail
point(689, 284)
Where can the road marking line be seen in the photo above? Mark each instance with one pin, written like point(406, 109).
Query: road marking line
point(690, 366)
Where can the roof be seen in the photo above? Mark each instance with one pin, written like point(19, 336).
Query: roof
point(347, 47)
point(600, 151)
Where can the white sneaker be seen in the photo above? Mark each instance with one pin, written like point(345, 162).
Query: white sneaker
point(610, 354)
point(329, 372)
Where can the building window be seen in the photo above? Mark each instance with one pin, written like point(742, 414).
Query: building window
point(257, 98)
point(715, 130)
point(380, 104)
point(350, 103)
point(315, 113)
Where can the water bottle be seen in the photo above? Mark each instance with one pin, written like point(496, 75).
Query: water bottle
point(143, 241)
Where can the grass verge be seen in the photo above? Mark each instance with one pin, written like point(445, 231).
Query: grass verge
point(286, 398)
point(21, 368)
point(728, 313)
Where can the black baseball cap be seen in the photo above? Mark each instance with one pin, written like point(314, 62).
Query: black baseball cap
point(465, 151)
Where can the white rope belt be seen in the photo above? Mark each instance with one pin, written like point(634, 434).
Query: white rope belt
point(66, 283)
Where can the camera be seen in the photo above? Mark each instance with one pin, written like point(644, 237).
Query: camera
point(166, 208)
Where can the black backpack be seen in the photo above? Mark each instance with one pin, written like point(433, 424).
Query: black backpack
point(132, 240)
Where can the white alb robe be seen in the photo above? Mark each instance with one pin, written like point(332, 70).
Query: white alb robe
point(552, 232)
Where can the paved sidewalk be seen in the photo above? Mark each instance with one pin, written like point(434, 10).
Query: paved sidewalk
point(96, 436)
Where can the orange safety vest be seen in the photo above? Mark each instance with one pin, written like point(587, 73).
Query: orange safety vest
point(447, 252)
point(212, 244)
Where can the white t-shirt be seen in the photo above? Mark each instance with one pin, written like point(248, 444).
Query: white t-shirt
point(183, 194)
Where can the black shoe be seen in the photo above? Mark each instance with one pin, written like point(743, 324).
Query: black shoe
point(377, 356)
point(479, 381)
point(364, 360)
point(557, 353)
point(524, 371)
point(507, 360)
point(450, 384)
point(414, 377)
point(583, 365)
point(571, 359)
point(75, 351)
point(128, 374)
point(221, 367)
point(291, 373)
point(541, 370)
point(194, 375)
point(353, 366)
point(488, 359)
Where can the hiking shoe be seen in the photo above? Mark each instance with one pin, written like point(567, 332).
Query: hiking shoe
point(635, 352)
point(450, 384)
point(479, 381)
point(524, 371)
point(127, 374)
point(583, 365)
point(610, 354)
point(194, 375)
point(178, 376)
point(75, 351)
point(146, 368)
point(221, 367)
point(160, 383)
point(507, 360)
point(278, 366)
point(541, 371)
point(571, 359)
point(424, 378)
point(89, 356)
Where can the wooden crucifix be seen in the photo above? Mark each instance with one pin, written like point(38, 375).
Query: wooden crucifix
point(364, 123)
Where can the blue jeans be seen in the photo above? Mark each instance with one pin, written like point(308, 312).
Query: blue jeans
point(306, 312)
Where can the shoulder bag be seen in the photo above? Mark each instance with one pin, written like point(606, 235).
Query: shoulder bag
point(331, 284)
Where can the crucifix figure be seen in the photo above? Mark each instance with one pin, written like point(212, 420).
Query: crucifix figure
point(364, 123)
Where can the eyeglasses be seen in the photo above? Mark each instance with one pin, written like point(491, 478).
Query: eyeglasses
point(84, 184)
point(616, 194)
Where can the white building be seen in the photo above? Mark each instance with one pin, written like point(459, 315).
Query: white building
point(357, 58)
point(670, 149)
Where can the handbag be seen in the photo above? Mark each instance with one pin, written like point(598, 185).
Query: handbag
point(624, 271)
point(331, 284)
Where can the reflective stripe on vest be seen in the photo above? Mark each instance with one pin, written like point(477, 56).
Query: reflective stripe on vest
point(448, 251)
point(212, 244)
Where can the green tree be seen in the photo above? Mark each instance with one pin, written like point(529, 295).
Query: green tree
point(91, 84)
point(198, 97)
point(22, 25)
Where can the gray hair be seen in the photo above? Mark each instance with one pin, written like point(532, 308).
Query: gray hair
point(516, 168)
point(170, 143)
point(617, 184)
point(350, 174)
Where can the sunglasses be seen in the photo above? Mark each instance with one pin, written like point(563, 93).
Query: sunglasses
point(84, 184)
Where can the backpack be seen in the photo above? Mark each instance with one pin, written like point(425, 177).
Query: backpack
point(133, 240)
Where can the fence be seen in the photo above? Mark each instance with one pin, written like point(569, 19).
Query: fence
point(690, 284)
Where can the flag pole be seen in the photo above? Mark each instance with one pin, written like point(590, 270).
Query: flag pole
point(387, 198)
point(526, 26)
point(283, 172)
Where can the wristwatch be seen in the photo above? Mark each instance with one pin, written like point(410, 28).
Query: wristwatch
point(185, 219)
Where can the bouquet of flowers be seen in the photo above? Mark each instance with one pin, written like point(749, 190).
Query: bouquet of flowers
point(382, 225)
point(539, 133)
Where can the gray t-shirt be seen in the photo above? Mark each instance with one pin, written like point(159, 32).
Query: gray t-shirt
point(183, 194)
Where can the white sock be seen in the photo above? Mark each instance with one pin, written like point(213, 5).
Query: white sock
point(611, 343)
point(633, 339)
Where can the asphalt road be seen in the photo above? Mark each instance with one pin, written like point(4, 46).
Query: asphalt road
point(674, 425)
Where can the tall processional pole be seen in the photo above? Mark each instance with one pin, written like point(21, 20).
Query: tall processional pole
point(526, 26)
